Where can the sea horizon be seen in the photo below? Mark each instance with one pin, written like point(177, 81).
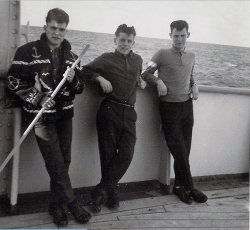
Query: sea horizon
point(216, 64)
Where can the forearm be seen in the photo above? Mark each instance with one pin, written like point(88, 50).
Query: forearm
point(149, 77)
point(93, 70)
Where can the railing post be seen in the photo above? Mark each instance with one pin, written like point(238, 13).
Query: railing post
point(165, 166)
point(10, 118)
point(15, 165)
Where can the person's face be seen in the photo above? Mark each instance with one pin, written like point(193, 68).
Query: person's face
point(179, 38)
point(124, 43)
point(55, 33)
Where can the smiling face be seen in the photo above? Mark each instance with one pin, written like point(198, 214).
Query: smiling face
point(179, 38)
point(124, 43)
point(55, 33)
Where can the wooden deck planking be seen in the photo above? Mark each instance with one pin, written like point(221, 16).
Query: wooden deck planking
point(186, 216)
point(225, 209)
point(158, 224)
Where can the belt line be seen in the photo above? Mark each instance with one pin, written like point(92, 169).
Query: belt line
point(120, 103)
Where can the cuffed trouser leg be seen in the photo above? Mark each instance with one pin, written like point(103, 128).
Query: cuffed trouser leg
point(177, 122)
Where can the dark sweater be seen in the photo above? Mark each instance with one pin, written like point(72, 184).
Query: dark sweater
point(121, 71)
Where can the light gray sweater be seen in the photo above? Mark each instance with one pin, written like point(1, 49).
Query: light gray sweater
point(175, 69)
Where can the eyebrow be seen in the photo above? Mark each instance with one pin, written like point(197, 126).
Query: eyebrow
point(54, 28)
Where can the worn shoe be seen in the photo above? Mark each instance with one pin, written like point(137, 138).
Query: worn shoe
point(97, 198)
point(57, 211)
point(198, 196)
point(112, 199)
point(182, 194)
point(79, 213)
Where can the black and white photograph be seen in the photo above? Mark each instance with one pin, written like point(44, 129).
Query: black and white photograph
point(124, 114)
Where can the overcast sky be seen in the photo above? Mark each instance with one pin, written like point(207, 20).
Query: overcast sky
point(219, 22)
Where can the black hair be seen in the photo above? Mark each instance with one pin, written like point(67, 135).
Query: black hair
point(125, 29)
point(179, 25)
point(60, 16)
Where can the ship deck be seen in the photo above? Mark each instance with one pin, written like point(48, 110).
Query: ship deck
point(226, 208)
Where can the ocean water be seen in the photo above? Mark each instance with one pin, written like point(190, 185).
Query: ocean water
point(216, 65)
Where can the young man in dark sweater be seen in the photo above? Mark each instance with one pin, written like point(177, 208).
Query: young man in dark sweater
point(118, 75)
point(37, 69)
point(176, 88)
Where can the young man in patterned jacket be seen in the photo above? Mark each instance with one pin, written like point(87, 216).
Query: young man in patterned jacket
point(37, 69)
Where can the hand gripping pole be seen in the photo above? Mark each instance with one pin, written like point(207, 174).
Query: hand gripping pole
point(14, 150)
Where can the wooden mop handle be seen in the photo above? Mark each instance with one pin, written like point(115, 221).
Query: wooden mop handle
point(15, 149)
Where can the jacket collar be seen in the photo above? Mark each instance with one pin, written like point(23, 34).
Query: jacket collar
point(177, 51)
point(65, 44)
point(130, 54)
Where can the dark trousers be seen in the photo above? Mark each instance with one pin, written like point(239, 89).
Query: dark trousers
point(116, 137)
point(177, 123)
point(54, 140)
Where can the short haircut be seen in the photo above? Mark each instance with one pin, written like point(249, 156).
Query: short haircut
point(125, 29)
point(60, 16)
point(179, 25)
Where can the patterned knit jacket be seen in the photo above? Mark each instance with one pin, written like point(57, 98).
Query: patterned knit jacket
point(35, 59)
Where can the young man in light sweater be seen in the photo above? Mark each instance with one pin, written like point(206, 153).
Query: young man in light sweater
point(176, 88)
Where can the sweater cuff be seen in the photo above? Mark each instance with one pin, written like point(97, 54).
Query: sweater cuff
point(38, 98)
point(31, 95)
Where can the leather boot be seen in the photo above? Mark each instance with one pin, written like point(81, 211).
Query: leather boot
point(79, 213)
point(97, 197)
point(112, 199)
point(59, 214)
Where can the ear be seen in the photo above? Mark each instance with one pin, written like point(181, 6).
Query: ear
point(188, 34)
point(45, 28)
point(115, 41)
point(170, 35)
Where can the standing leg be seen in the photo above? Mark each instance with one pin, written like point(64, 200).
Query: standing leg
point(48, 141)
point(108, 128)
point(107, 123)
point(60, 185)
point(177, 122)
point(171, 117)
point(116, 137)
point(125, 148)
point(64, 128)
point(121, 161)
point(61, 189)
point(187, 124)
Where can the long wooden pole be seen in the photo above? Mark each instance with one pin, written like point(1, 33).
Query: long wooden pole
point(14, 150)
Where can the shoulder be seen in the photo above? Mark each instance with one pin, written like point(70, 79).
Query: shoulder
point(27, 46)
point(190, 53)
point(25, 51)
point(137, 56)
point(105, 56)
point(160, 53)
point(72, 54)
